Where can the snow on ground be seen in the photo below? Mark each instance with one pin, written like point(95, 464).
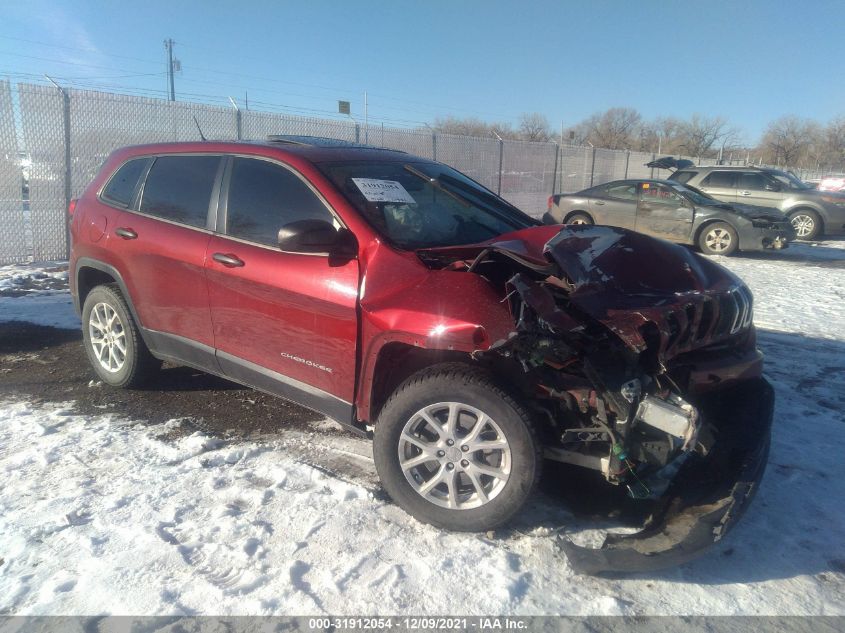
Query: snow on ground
point(44, 290)
point(103, 515)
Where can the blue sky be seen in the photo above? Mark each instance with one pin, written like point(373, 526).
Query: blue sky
point(750, 62)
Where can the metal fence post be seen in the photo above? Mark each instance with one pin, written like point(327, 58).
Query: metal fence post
point(554, 171)
point(66, 125)
point(627, 159)
point(501, 162)
point(357, 133)
point(238, 120)
point(434, 146)
point(593, 167)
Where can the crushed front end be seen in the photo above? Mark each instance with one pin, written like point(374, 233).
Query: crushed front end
point(640, 359)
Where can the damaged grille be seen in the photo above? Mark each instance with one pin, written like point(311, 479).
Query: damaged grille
point(706, 318)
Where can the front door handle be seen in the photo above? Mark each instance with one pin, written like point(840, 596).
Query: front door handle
point(127, 234)
point(230, 261)
point(598, 202)
point(744, 193)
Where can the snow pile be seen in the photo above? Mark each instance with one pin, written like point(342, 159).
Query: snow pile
point(37, 293)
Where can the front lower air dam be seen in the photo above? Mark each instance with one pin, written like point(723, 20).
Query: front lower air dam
point(705, 499)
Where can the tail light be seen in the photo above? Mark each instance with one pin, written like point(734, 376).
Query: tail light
point(71, 208)
point(551, 202)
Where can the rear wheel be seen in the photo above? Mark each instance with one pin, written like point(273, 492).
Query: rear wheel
point(806, 223)
point(456, 451)
point(112, 341)
point(579, 218)
point(718, 238)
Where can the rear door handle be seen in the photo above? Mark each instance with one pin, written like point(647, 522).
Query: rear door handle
point(230, 261)
point(127, 234)
point(598, 202)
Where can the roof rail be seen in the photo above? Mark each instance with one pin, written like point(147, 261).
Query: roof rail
point(321, 141)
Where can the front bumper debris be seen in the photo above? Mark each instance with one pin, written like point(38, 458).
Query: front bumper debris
point(706, 498)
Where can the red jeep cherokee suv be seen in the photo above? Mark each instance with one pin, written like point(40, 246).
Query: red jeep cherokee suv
point(409, 303)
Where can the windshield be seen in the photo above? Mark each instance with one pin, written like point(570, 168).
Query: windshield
point(788, 179)
point(696, 196)
point(424, 205)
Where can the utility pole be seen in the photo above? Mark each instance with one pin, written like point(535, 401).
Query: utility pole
point(168, 44)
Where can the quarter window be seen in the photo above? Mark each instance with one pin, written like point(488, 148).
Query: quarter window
point(720, 179)
point(121, 187)
point(263, 197)
point(178, 188)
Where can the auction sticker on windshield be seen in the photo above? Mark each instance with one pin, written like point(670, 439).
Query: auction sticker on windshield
point(376, 190)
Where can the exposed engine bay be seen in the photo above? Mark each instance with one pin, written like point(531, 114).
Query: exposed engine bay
point(644, 369)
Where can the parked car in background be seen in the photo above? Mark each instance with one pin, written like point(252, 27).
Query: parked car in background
point(812, 212)
point(397, 296)
point(670, 210)
point(835, 182)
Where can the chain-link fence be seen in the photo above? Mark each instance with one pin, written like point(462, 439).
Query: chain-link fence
point(60, 138)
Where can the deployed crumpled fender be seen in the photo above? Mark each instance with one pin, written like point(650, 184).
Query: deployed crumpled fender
point(697, 511)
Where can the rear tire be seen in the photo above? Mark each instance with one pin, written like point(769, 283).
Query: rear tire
point(112, 342)
point(718, 238)
point(455, 474)
point(807, 224)
point(579, 218)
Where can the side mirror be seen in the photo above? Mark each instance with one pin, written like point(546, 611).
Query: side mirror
point(311, 236)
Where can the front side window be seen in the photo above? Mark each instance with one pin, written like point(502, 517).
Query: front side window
point(424, 205)
point(724, 179)
point(752, 180)
point(178, 188)
point(121, 187)
point(660, 194)
point(263, 197)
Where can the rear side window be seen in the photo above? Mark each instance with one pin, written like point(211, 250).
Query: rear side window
point(682, 177)
point(122, 185)
point(178, 188)
point(720, 179)
point(626, 191)
point(263, 197)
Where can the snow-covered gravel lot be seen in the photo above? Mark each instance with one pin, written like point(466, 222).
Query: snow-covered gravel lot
point(102, 515)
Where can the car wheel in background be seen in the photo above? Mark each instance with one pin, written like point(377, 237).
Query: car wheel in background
point(718, 238)
point(112, 341)
point(455, 450)
point(806, 223)
point(579, 218)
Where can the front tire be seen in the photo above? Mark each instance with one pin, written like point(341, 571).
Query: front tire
point(455, 450)
point(112, 342)
point(807, 224)
point(718, 238)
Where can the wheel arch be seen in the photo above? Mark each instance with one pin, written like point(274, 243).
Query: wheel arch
point(91, 273)
point(710, 222)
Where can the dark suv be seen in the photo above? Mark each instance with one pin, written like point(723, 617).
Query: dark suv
point(813, 213)
point(414, 306)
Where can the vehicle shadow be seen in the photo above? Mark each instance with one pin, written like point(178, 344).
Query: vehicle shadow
point(819, 253)
point(795, 526)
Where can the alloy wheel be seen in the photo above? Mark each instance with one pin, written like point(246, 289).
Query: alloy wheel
point(108, 337)
point(454, 455)
point(718, 240)
point(803, 224)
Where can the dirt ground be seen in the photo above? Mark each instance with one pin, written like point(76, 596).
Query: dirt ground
point(49, 364)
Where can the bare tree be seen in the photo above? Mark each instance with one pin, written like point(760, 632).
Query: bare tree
point(786, 141)
point(612, 129)
point(471, 126)
point(699, 135)
point(534, 127)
